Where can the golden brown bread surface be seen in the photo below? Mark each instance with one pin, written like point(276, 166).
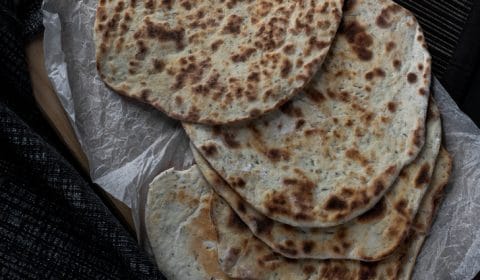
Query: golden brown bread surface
point(244, 256)
point(189, 227)
point(213, 61)
point(331, 153)
point(369, 237)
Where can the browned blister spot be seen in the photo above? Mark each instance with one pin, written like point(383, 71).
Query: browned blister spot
point(145, 94)
point(242, 55)
point(397, 64)
point(271, 34)
point(290, 110)
point(391, 170)
point(141, 50)
point(299, 124)
point(286, 68)
point(308, 246)
point(331, 270)
point(235, 222)
point(289, 49)
point(401, 206)
point(335, 203)
point(392, 106)
point(278, 154)
point(347, 192)
point(423, 176)
point(422, 91)
point(378, 186)
point(314, 95)
point(193, 114)
point(241, 207)
point(215, 45)
point(229, 139)
point(186, 4)
point(390, 46)
point(418, 135)
point(101, 14)
point(209, 150)
point(233, 26)
point(111, 25)
point(313, 43)
point(412, 77)
point(375, 213)
point(254, 113)
point(376, 72)
point(190, 71)
point(237, 182)
point(158, 65)
point(358, 39)
point(263, 226)
point(354, 154)
point(178, 100)
point(368, 270)
point(385, 20)
point(290, 243)
point(163, 33)
point(309, 269)
point(278, 203)
point(150, 5)
point(253, 77)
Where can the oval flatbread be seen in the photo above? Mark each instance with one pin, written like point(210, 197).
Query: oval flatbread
point(331, 153)
point(244, 256)
point(369, 237)
point(213, 61)
point(195, 235)
point(179, 227)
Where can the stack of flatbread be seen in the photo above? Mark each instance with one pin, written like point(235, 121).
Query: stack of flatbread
point(317, 144)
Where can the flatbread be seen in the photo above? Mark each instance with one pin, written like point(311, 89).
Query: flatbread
point(184, 241)
point(331, 153)
point(371, 236)
point(179, 226)
point(213, 61)
point(244, 256)
point(426, 215)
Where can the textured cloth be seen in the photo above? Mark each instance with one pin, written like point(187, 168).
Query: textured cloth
point(52, 224)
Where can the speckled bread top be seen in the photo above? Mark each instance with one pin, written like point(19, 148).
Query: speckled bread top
point(372, 236)
point(213, 61)
point(332, 152)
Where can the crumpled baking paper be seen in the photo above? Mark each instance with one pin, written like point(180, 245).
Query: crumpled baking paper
point(127, 143)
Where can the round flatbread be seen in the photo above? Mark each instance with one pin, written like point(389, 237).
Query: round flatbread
point(179, 227)
point(331, 153)
point(426, 213)
point(244, 256)
point(182, 211)
point(213, 61)
point(369, 237)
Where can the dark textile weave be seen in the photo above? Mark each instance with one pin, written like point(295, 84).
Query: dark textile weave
point(52, 224)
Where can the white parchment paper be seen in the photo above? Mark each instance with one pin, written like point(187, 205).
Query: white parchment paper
point(128, 143)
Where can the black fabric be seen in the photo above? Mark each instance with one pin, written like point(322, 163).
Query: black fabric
point(462, 77)
point(52, 224)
